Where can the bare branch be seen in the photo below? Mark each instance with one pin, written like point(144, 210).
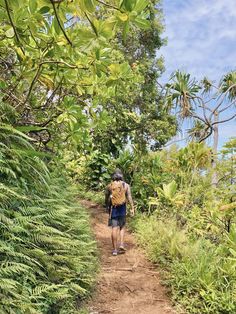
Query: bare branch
point(221, 101)
point(224, 109)
point(226, 120)
point(59, 22)
point(45, 123)
point(201, 119)
point(207, 135)
point(204, 107)
point(176, 141)
point(10, 95)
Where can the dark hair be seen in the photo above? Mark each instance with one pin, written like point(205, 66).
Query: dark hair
point(117, 175)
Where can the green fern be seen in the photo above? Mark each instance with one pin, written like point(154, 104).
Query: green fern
point(47, 254)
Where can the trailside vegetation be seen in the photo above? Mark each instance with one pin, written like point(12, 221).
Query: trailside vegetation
point(48, 259)
point(61, 61)
point(79, 98)
point(185, 223)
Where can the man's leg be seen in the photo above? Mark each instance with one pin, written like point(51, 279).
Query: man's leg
point(114, 237)
point(122, 234)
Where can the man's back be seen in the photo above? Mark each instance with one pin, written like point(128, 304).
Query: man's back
point(117, 194)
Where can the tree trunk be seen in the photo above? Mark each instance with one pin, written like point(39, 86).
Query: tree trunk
point(215, 147)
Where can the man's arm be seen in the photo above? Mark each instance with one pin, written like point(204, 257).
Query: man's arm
point(129, 198)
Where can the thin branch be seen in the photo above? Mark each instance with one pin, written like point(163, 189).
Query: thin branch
point(34, 39)
point(109, 5)
point(50, 98)
point(45, 123)
point(12, 24)
point(92, 25)
point(223, 98)
point(176, 141)
point(227, 107)
point(207, 108)
point(204, 103)
point(59, 23)
point(226, 120)
point(206, 136)
point(201, 119)
point(10, 95)
point(32, 83)
point(204, 107)
point(72, 66)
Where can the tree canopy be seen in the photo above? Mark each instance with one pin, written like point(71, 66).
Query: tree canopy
point(68, 76)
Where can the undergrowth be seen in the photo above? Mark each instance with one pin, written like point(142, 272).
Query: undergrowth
point(47, 253)
point(201, 274)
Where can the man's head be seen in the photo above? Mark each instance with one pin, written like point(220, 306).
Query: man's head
point(117, 175)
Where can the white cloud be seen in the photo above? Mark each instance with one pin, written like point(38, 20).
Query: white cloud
point(201, 37)
point(201, 41)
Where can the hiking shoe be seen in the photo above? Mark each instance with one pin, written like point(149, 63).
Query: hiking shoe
point(114, 252)
point(122, 250)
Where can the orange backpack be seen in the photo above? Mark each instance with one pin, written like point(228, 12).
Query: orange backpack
point(118, 193)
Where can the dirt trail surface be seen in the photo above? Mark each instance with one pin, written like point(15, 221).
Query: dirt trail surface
point(128, 283)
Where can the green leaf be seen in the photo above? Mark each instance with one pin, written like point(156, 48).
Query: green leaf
point(142, 23)
point(28, 128)
point(33, 6)
point(125, 31)
point(128, 5)
point(141, 5)
point(56, 26)
point(44, 10)
point(89, 5)
point(10, 32)
point(80, 90)
point(123, 16)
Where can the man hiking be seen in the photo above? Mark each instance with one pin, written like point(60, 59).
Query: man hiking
point(116, 196)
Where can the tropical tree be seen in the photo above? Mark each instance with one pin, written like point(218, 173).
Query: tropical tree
point(205, 103)
point(137, 115)
point(60, 62)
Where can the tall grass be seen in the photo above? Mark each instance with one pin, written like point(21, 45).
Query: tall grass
point(202, 275)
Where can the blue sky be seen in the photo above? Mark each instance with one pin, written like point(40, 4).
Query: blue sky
point(201, 41)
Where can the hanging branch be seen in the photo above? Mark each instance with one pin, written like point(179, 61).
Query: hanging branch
point(91, 23)
point(108, 5)
point(32, 83)
point(59, 23)
point(13, 26)
point(72, 66)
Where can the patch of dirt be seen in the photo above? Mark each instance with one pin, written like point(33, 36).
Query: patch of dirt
point(128, 283)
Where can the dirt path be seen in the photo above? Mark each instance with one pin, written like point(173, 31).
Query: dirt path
point(128, 283)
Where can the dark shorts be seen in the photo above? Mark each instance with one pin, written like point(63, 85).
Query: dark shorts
point(117, 222)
